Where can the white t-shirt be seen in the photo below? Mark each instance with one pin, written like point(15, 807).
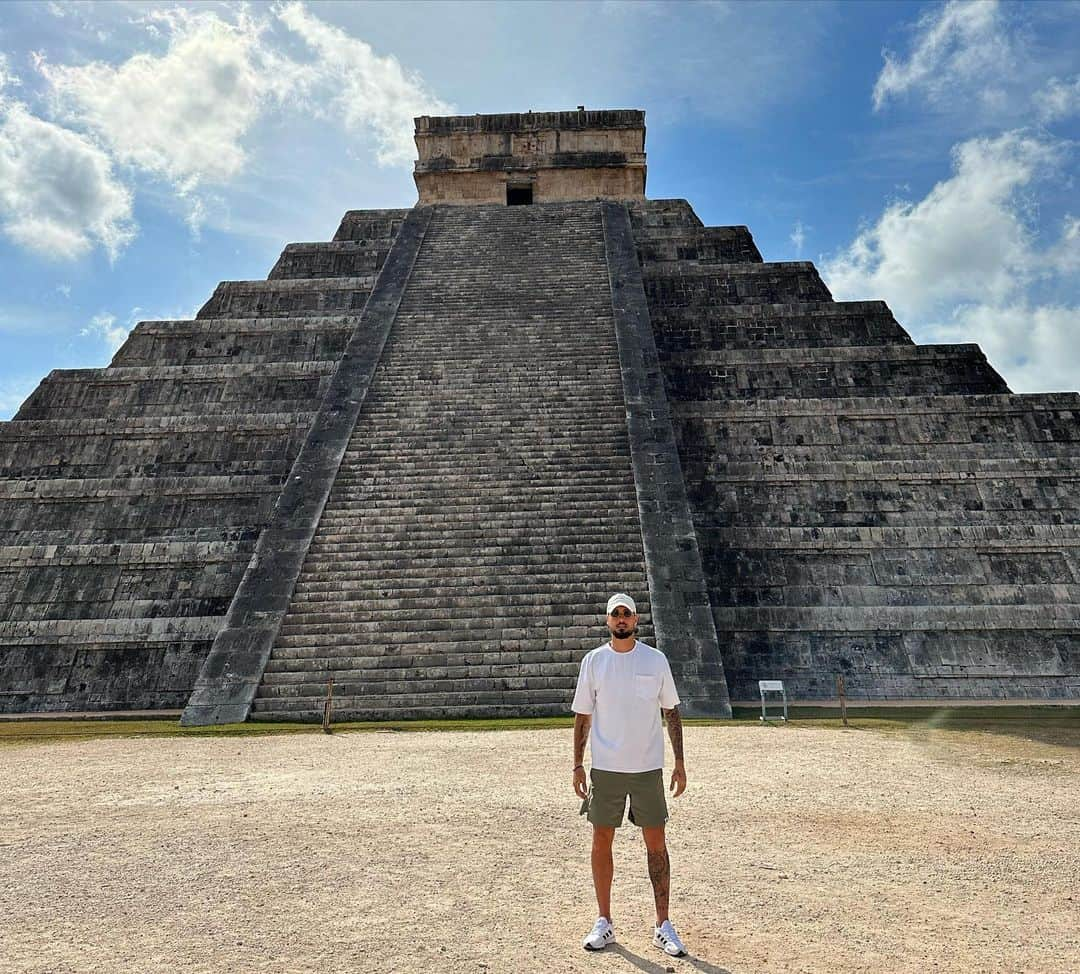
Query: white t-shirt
point(624, 693)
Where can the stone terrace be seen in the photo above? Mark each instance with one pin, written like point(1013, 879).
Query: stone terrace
point(133, 495)
point(865, 507)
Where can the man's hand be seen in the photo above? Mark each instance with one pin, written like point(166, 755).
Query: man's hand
point(678, 779)
point(582, 723)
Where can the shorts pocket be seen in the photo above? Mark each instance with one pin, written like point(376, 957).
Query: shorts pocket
point(647, 687)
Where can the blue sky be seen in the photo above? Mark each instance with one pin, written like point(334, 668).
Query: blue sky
point(925, 154)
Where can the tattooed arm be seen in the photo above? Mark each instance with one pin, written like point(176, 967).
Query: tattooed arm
point(582, 723)
point(674, 728)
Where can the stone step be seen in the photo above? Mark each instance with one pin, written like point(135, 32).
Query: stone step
point(366, 226)
point(458, 495)
point(975, 592)
point(296, 662)
point(1063, 403)
point(172, 390)
point(330, 259)
point(932, 664)
point(1063, 618)
point(649, 217)
point(707, 285)
point(357, 536)
point(699, 245)
point(142, 506)
point(873, 428)
point(236, 340)
point(77, 534)
point(492, 295)
point(286, 693)
point(907, 470)
point(359, 682)
point(535, 574)
point(684, 330)
point(422, 708)
point(80, 632)
point(119, 580)
point(150, 446)
point(101, 665)
point(289, 298)
point(489, 572)
point(99, 600)
point(425, 702)
point(143, 555)
point(1000, 537)
point(889, 370)
point(466, 587)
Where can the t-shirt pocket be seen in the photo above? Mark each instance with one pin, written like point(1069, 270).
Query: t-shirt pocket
point(647, 687)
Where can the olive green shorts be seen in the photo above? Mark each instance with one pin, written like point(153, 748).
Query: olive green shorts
point(610, 789)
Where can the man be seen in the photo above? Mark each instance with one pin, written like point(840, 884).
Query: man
point(622, 687)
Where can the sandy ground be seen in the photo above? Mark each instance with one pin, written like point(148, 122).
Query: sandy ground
point(794, 849)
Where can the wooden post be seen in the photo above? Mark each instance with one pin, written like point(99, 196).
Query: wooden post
point(843, 699)
point(328, 707)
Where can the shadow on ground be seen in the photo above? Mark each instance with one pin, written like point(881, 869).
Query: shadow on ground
point(665, 964)
point(1059, 726)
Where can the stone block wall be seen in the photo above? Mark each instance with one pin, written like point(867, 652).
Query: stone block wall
point(864, 506)
point(132, 497)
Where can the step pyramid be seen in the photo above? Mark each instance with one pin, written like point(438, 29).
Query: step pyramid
point(417, 458)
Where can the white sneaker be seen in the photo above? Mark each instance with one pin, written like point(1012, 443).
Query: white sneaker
point(602, 934)
point(665, 937)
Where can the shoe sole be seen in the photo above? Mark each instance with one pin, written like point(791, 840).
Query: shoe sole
point(596, 950)
point(663, 949)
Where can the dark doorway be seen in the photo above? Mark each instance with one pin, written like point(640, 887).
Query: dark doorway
point(518, 195)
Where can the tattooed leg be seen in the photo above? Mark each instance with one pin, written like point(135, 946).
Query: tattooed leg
point(659, 870)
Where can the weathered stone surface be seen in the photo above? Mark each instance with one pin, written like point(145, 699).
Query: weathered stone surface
point(234, 668)
point(286, 297)
point(864, 506)
point(677, 588)
point(421, 477)
point(485, 505)
point(133, 496)
point(219, 341)
point(473, 159)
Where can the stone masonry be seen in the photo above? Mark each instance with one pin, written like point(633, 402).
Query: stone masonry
point(865, 507)
point(416, 458)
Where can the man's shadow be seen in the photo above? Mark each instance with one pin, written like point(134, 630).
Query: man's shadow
point(660, 967)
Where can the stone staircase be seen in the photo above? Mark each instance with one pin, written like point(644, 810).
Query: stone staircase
point(133, 496)
point(861, 505)
point(865, 507)
point(485, 505)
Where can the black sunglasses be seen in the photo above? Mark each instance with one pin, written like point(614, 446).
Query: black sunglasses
point(622, 614)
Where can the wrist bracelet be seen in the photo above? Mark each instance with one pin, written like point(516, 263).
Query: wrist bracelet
point(576, 766)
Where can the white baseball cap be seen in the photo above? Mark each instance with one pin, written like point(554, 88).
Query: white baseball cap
point(621, 599)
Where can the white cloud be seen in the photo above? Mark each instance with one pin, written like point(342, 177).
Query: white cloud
point(969, 239)
point(104, 327)
point(965, 264)
point(182, 115)
point(58, 194)
point(798, 237)
point(960, 50)
point(1035, 347)
point(1058, 99)
point(188, 112)
point(369, 92)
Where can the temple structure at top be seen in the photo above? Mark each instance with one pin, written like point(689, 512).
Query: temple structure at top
point(416, 459)
point(535, 157)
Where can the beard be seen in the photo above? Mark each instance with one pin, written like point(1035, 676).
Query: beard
point(624, 632)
